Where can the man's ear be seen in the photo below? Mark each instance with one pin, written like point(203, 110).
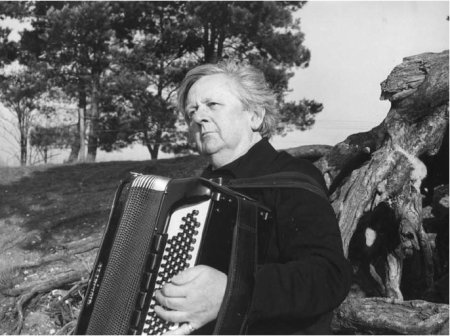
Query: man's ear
point(256, 118)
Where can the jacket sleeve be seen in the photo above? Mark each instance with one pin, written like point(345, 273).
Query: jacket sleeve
point(310, 275)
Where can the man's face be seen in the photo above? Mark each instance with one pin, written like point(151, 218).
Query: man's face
point(217, 120)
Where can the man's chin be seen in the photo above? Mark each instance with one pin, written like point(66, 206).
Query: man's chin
point(208, 148)
point(207, 151)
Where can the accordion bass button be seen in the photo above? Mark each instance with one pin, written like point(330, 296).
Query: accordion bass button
point(136, 318)
point(157, 243)
point(152, 261)
point(147, 279)
point(141, 300)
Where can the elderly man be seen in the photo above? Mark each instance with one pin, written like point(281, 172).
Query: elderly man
point(302, 273)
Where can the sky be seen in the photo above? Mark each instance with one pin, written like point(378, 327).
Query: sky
point(354, 46)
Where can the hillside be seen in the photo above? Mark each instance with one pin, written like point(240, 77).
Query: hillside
point(51, 222)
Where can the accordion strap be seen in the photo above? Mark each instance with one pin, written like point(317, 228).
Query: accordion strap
point(280, 180)
point(232, 317)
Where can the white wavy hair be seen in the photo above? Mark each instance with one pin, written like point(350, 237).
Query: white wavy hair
point(253, 90)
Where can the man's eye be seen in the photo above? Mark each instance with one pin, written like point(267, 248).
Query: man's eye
point(212, 104)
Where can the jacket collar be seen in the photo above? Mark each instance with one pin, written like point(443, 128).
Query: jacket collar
point(248, 164)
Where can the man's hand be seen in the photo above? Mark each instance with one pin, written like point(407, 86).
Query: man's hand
point(193, 296)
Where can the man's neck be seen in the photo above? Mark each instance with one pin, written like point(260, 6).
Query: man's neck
point(219, 160)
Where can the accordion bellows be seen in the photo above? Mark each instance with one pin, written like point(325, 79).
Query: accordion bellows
point(157, 228)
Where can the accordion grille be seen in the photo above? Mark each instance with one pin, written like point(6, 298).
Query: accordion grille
point(120, 285)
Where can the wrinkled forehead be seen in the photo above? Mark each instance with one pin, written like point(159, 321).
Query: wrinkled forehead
point(210, 86)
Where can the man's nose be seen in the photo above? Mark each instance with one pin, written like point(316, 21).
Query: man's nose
point(200, 115)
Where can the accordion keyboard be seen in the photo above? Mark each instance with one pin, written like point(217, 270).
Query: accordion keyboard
point(184, 234)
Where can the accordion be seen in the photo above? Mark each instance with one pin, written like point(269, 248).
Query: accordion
point(157, 228)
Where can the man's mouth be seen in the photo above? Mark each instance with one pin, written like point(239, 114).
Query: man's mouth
point(204, 134)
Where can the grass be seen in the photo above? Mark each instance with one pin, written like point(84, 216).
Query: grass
point(59, 203)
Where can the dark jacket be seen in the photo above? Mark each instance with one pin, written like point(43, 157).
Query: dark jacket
point(302, 273)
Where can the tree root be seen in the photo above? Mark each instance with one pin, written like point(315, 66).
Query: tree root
point(19, 308)
point(67, 329)
point(69, 249)
point(45, 286)
point(390, 317)
point(75, 288)
point(26, 291)
point(48, 285)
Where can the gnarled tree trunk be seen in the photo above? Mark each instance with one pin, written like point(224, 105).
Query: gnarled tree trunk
point(375, 181)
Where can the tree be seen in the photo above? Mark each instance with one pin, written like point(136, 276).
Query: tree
point(136, 114)
point(19, 92)
point(9, 49)
point(146, 77)
point(263, 33)
point(74, 38)
point(88, 43)
point(55, 126)
point(77, 37)
point(299, 115)
point(46, 138)
point(180, 35)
